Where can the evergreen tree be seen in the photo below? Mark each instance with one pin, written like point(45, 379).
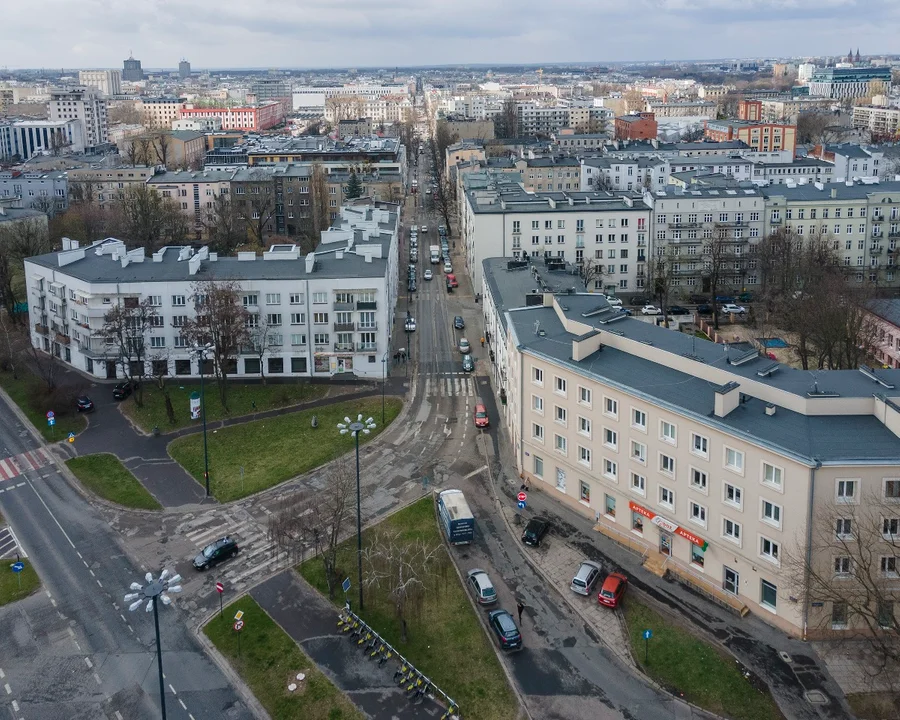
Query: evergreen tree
point(354, 187)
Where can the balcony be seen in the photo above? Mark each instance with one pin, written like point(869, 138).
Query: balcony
point(344, 327)
point(343, 307)
point(876, 250)
point(366, 347)
point(878, 217)
point(63, 339)
point(372, 327)
point(343, 347)
point(41, 329)
point(367, 305)
point(894, 233)
point(678, 225)
point(776, 221)
point(876, 233)
point(96, 349)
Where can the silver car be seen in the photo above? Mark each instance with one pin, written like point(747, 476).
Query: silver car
point(482, 587)
point(588, 574)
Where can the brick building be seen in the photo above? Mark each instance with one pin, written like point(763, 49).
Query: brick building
point(639, 126)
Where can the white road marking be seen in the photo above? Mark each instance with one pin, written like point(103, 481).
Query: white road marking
point(91, 572)
point(87, 661)
point(172, 689)
point(15, 706)
point(119, 716)
point(183, 706)
point(53, 602)
point(100, 583)
point(97, 678)
point(8, 689)
point(65, 535)
point(123, 618)
point(2, 674)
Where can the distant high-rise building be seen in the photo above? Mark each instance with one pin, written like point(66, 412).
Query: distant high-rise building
point(184, 69)
point(86, 105)
point(271, 89)
point(132, 71)
point(109, 82)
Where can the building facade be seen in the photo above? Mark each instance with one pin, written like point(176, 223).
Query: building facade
point(108, 82)
point(46, 137)
point(160, 112)
point(640, 126)
point(85, 105)
point(44, 191)
point(881, 122)
point(886, 346)
point(761, 137)
point(250, 119)
point(850, 82)
point(131, 70)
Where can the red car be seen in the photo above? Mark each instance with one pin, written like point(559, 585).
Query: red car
point(451, 280)
point(613, 589)
point(481, 417)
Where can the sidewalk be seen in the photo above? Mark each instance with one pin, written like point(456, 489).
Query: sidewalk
point(311, 621)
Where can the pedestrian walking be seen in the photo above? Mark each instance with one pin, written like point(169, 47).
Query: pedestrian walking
point(520, 606)
point(482, 341)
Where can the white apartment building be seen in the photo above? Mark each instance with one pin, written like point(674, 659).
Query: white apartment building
point(712, 462)
point(880, 121)
point(612, 173)
point(311, 98)
point(108, 82)
point(328, 312)
point(35, 137)
point(85, 105)
point(611, 230)
point(200, 124)
point(161, 112)
point(797, 170)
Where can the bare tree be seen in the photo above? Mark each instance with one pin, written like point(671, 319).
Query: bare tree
point(225, 227)
point(591, 273)
point(221, 319)
point(318, 190)
point(635, 101)
point(162, 145)
point(259, 341)
point(661, 273)
point(506, 123)
point(258, 206)
point(316, 520)
point(159, 371)
point(15, 341)
point(126, 327)
point(18, 241)
point(150, 219)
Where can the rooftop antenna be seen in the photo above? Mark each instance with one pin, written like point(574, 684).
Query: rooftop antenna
point(537, 326)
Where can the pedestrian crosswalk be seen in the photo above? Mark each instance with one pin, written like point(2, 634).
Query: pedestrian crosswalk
point(449, 387)
point(16, 465)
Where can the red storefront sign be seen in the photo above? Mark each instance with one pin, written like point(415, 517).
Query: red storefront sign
point(668, 525)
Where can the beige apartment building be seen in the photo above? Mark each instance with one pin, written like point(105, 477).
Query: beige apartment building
point(193, 192)
point(160, 112)
point(719, 466)
point(105, 186)
point(883, 122)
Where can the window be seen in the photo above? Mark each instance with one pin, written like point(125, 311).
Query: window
point(667, 497)
point(846, 491)
point(733, 495)
point(771, 513)
point(155, 300)
point(611, 469)
point(559, 385)
point(250, 300)
point(697, 513)
point(889, 566)
point(842, 565)
point(699, 480)
point(667, 464)
point(772, 476)
point(320, 339)
point(768, 549)
point(734, 460)
point(667, 432)
point(320, 298)
point(638, 419)
point(584, 455)
point(610, 407)
point(584, 396)
point(298, 318)
point(273, 318)
point(178, 301)
point(892, 489)
point(611, 438)
point(768, 594)
point(886, 614)
point(639, 452)
point(638, 484)
point(843, 528)
point(560, 443)
point(584, 426)
point(538, 466)
point(320, 318)
point(538, 432)
point(731, 530)
point(890, 528)
point(585, 492)
point(698, 555)
point(537, 404)
point(560, 415)
point(273, 298)
point(537, 376)
point(157, 342)
point(839, 615)
point(298, 339)
point(700, 445)
point(296, 299)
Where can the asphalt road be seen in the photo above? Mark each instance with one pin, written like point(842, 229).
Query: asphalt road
point(73, 650)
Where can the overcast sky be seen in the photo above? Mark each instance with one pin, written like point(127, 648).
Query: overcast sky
point(363, 33)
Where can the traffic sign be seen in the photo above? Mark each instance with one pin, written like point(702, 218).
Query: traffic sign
point(238, 625)
point(346, 585)
point(648, 634)
point(521, 504)
point(521, 497)
point(50, 414)
point(220, 588)
point(71, 437)
point(51, 421)
point(17, 567)
point(239, 614)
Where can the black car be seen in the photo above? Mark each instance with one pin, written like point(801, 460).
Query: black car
point(84, 404)
point(411, 287)
point(123, 390)
point(640, 300)
point(216, 552)
point(699, 299)
point(505, 629)
point(535, 531)
point(678, 310)
point(704, 309)
point(459, 323)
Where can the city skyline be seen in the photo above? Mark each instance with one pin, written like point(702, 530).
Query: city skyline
point(427, 32)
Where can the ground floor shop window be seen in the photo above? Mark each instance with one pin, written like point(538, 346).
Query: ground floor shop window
point(182, 367)
point(560, 479)
point(611, 506)
point(276, 365)
point(252, 366)
point(697, 554)
point(585, 492)
point(298, 364)
point(838, 615)
point(637, 522)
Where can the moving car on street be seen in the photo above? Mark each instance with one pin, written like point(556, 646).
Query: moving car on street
point(732, 309)
point(468, 363)
point(429, 274)
point(505, 629)
point(410, 325)
point(214, 553)
point(481, 417)
point(459, 323)
point(84, 404)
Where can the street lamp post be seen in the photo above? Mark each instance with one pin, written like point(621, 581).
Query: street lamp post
point(201, 351)
point(153, 592)
point(355, 427)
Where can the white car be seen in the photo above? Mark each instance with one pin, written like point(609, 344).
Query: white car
point(429, 274)
point(614, 301)
point(732, 309)
point(650, 310)
point(448, 268)
point(424, 229)
point(410, 325)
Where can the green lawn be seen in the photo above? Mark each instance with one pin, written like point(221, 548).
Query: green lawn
point(106, 476)
point(706, 676)
point(445, 640)
point(30, 393)
point(875, 706)
point(240, 401)
point(12, 588)
point(269, 660)
point(275, 449)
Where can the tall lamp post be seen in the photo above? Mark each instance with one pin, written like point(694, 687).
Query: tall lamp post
point(154, 592)
point(355, 427)
point(201, 351)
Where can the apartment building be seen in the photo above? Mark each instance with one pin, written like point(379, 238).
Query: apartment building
point(559, 173)
point(203, 125)
point(686, 220)
point(612, 230)
point(612, 173)
point(788, 109)
point(131, 70)
point(328, 312)
point(851, 161)
point(882, 122)
point(193, 191)
point(861, 219)
point(311, 99)
point(28, 138)
point(108, 82)
point(574, 142)
point(761, 137)
point(106, 186)
point(255, 118)
point(850, 82)
point(161, 112)
point(714, 463)
point(886, 346)
point(682, 108)
point(85, 105)
point(804, 169)
point(44, 191)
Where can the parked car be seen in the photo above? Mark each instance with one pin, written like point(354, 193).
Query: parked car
point(588, 574)
point(627, 311)
point(678, 310)
point(481, 417)
point(639, 300)
point(459, 323)
point(481, 585)
point(451, 278)
point(699, 299)
point(505, 629)
point(429, 274)
point(612, 590)
point(704, 309)
point(123, 390)
point(614, 301)
point(411, 287)
point(468, 363)
point(84, 404)
point(424, 229)
point(650, 310)
point(724, 299)
point(448, 268)
point(535, 531)
point(216, 552)
point(745, 297)
point(410, 325)
point(464, 346)
point(442, 230)
point(732, 309)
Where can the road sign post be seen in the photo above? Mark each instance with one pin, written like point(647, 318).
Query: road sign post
point(220, 588)
point(238, 626)
point(71, 437)
point(647, 635)
point(17, 568)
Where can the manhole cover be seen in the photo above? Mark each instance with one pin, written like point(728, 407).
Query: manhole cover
point(816, 697)
point(784, 656)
